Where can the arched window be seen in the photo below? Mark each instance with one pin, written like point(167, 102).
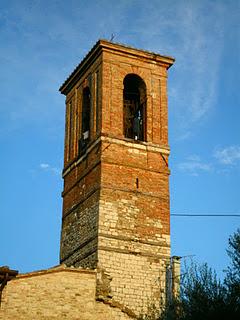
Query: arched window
point(86, 109)
point(86, 118)
point(134, 102)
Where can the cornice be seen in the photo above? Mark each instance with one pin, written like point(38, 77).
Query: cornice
point(104, 45)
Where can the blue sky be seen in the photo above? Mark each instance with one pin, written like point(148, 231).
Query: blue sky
point(43, 41)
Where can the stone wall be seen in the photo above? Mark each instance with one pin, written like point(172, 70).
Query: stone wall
point(137, 281)
point(58, 293)
point(79, 234)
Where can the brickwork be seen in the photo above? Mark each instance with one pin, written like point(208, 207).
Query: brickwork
point(114, 68)
point(115, 224)
point(116, 192)
point(58, 293)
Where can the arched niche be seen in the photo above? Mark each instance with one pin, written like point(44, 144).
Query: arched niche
point(134, 107)
point(86, 120)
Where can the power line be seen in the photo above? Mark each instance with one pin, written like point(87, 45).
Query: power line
point(204, 215)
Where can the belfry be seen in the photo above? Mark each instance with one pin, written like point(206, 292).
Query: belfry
point(116, 176)
point(115, 261)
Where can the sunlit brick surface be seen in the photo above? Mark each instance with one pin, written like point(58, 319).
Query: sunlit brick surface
point(116, 191)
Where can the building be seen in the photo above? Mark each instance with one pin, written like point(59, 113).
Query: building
point(116, 217)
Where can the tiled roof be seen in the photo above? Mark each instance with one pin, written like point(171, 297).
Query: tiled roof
point(118, 46)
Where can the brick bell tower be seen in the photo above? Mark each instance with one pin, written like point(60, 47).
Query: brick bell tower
point(116, 192)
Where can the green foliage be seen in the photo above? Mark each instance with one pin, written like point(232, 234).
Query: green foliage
point(234, 253)
point(232, 279)
point(203, 296)
point(233, 271)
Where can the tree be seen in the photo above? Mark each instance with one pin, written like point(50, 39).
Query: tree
point(203, 296)
point(232, 279)
point(233, 271)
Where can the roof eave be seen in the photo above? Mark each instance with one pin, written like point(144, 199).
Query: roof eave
point(102, 45)
point(80, 68)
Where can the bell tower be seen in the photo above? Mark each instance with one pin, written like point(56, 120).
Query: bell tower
point(116, 175)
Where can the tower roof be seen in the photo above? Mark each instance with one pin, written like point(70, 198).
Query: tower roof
point(104, 45)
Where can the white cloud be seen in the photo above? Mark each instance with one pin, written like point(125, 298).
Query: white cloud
point(199, 57)
point(44, 165)
point(49, 168)
point(55, 41)
point(196, 40)
point(229, 155)
point(194, 158)
point(194, 165)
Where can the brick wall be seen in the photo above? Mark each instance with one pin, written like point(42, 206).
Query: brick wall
point(134, 235)
point(116, 194)
point(115, 67)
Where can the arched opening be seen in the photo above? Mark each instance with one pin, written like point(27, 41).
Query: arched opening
point(86, 109)
point(134, 104)
point(86, 118)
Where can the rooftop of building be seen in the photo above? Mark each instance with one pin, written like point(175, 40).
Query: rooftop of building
point(117, 47)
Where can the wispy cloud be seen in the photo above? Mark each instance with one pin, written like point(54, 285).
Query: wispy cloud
point(228, 155)
point(199, 57)
point(41, 44)
point(196, 38)
point(194, 165)
point(47, 167)
point(56, 37)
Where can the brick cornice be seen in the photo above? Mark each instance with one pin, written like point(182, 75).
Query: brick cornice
point(135, 253)
point(140, 145)
point(128, 239)
point(104, 45)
